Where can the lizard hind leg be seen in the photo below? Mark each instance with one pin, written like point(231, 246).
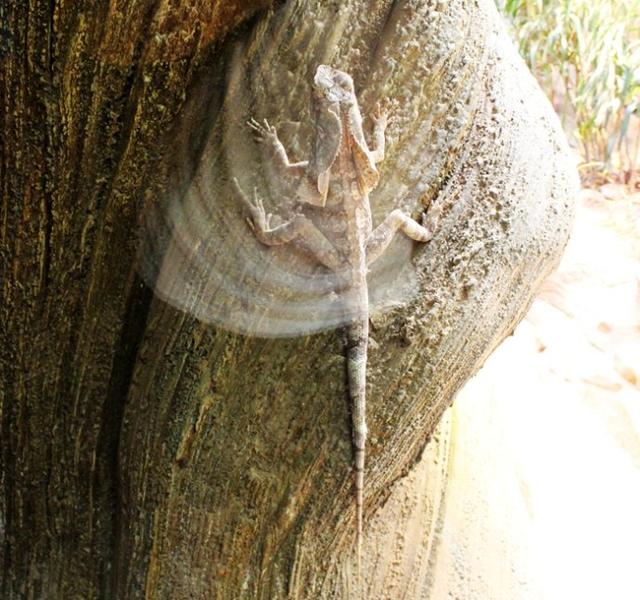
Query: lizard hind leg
point(297, 228)
point(382, 235)
point(260, 221)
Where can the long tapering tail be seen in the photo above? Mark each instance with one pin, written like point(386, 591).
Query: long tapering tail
point(357, 338)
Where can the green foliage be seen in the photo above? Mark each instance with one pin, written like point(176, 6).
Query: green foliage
point(586, 55)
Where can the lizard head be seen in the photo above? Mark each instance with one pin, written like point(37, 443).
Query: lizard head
point(332, 85)
point(336, 110)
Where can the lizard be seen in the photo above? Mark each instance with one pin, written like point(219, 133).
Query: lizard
point(339, 233)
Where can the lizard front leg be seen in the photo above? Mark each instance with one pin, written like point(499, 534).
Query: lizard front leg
point(265, 133)
point(298, 228)
point(382, 235)
point(381, 120)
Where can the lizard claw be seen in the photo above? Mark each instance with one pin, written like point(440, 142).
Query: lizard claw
point(258, 220)
point(380, 112)
point(263, 132)
point(430, 218)
point(257, 129)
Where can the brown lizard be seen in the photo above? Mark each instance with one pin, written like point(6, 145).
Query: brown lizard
point(338, 178)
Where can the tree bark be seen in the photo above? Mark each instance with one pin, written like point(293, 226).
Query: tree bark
point(148, 454)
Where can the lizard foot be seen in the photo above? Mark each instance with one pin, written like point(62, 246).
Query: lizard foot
point(381, 115)
point(259, 220)
point(263, 132)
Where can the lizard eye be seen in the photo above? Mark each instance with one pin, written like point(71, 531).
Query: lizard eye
point(323, 78)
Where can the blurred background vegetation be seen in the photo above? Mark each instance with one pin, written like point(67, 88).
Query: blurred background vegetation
point(586, 56)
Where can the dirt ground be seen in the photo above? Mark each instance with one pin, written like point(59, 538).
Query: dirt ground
point(543, 483)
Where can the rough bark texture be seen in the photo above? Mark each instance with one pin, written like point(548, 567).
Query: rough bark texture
point(145, 454)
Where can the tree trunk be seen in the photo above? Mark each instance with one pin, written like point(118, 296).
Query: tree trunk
point(148, 454)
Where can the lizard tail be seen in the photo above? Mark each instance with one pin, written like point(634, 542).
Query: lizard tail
point(357, 338)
